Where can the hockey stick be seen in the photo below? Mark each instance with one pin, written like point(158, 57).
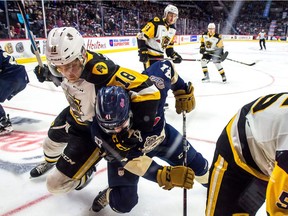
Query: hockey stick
point(226, 54)
point(55, 80)
point(161, 59)
point(251, 64)
point(222, 57)
point(30, 35)
point(185, 149)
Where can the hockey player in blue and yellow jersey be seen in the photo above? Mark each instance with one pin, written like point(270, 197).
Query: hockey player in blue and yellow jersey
point(250, 164)
point(157, 37)
point(130, 157)
point(13, 79)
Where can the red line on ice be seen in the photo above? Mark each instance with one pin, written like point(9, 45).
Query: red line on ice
point(34, 202)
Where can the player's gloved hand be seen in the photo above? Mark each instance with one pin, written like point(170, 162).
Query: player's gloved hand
point(41, 73)
point(176, 58)
point(143, 55)
point(202, 49)
point(185, 100)
point(175, 176)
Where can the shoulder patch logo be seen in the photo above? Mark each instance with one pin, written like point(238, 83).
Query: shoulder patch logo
point(156, 19)
point(100, 69)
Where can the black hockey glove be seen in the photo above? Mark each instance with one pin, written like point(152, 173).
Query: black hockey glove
point(143, 55)
point(202, 50)
point(41, 73)
point(176, 58)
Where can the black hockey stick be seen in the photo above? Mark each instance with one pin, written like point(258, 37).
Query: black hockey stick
point(222, 57)
point(55, 80)
point(225, 57)
point(251, 64)
point(185, 149)
point(161, 59)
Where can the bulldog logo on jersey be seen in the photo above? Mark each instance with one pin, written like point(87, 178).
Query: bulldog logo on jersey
point(100, 69)
point(208, 44)
point(165, 42)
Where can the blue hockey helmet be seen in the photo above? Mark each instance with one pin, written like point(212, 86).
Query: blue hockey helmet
point(113, 109)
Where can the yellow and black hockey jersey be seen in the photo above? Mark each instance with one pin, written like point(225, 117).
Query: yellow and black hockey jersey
point(100, 71)
point(158, 36)
point(258, 135)
point(211, 42)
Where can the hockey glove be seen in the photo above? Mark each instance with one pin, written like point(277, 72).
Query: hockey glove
point(41, 73)
point(176, 58)
point(185, 100)
point(202, 49)
point(143, 55)
point(175, 176)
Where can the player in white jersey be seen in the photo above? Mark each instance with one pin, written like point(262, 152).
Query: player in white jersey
point(211, 47)
point(157, 37)
point(251, 161)
point(262, 36)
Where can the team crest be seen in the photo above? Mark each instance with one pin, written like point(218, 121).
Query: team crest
point(152, 142)
point(121, 171)
point(208, 44)
point(100, 69)
point(165, 41)
point(158, 81)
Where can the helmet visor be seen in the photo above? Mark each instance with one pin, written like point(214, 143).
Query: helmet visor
point(114, 129)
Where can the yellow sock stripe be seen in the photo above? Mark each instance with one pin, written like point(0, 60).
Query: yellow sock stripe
point(216, 179)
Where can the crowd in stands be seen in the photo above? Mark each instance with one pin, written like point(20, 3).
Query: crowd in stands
point(106, 18)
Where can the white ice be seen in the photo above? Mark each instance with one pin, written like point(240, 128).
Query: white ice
point(39, 103)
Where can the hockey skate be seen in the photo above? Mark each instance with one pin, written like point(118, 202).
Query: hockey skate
point(89, 177)
point(206, 78)
point(101, 200)
point(224, 80)
point(41, 168)
point(5, 125)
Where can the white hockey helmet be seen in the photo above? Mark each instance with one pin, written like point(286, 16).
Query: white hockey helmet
point(171, 9)
point(211, 26)
point(64, 45)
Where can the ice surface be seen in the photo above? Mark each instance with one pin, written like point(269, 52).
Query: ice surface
point(33, 110)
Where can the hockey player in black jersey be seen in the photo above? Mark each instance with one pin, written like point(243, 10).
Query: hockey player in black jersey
point(132, 155)
point(13, 79)
point(82, 73)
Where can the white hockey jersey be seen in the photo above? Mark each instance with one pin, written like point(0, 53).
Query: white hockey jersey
point(259, 140)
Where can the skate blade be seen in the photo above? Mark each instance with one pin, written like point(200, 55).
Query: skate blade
point(6, 131)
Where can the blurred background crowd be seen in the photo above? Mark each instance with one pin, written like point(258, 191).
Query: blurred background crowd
point(98, 18)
